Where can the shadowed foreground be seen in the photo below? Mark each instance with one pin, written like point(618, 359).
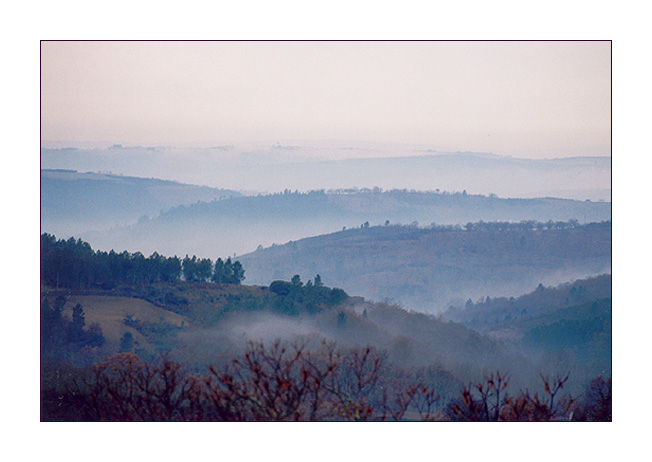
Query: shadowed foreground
point(293, 383)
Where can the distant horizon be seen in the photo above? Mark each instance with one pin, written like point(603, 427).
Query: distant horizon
point(532, 99)
point(272, 168)
point(426, 149)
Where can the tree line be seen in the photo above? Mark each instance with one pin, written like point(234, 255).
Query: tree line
point(501, 226)
point(73, 264)
point(222, 272)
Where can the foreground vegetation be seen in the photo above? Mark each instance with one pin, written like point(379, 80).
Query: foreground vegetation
point(294, 383)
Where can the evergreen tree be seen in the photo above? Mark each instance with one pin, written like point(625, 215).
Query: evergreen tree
point(76, 332)
point(78, 317)
point(238, 272)
point(126, 342)
point(204, 269)
point(218, 271)
point(190, 268)
point(228, 271)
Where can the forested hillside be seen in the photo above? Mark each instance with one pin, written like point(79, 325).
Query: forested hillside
point(490, 314)
point(244, 223)
point(73, 264)
point(343, 358)
point(431, 268)
point(570, 323)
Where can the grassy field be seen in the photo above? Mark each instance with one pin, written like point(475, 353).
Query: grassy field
point(110, 312)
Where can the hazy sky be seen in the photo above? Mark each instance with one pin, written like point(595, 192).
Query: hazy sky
point(527, 99)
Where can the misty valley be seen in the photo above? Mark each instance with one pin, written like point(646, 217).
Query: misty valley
point(168, 301)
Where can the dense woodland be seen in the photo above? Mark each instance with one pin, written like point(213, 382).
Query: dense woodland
point(73, 264)
point(324, 354)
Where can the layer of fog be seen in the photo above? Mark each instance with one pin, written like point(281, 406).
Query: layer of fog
point(393, 336)
point(239, 226)
point(404, 339)
point(74, 202)
point(309, 165)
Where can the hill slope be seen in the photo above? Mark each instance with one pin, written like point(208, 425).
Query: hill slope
point(196, 322)
point(429, 269)
point(570, 324)
point(74, 202)
point(209, 320)
point(241, 224)
point(531, 309)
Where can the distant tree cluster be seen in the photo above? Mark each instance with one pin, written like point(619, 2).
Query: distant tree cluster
point(524, 225)
point(496, 226)
point(394, 192)
point(203, 270)
point(73, 264)
point(295, 297)
point(197, 269)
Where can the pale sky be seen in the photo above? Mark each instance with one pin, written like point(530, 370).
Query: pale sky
point(526, 99)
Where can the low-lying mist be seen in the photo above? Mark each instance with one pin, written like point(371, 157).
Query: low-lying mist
point(313, 165)
point(405, 339)
point(242, 224)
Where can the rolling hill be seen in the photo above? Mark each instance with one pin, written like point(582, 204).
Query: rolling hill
point(313, 165)
point(241, 224)
point(569, 323)
point(429, 269)
point(74, 202)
